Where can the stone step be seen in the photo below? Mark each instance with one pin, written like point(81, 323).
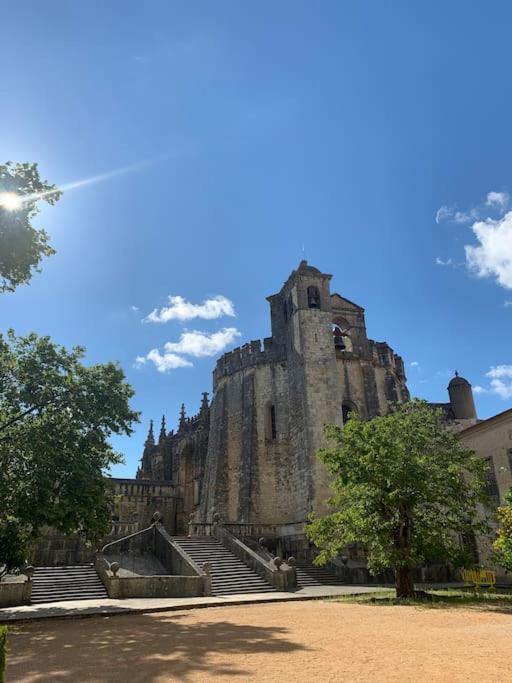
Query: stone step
point(311, 575)
point(54, 584)
point(229, 574)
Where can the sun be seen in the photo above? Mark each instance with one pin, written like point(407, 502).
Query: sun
point(10, 201)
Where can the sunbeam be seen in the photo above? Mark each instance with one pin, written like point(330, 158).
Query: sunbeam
point(16, 201)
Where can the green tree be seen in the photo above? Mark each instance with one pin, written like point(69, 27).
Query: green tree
point(404, 488)
point(503, 543)
point(22, 246)
point(56, 417)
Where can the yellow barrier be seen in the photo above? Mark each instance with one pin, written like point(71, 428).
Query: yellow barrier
point(479, 578)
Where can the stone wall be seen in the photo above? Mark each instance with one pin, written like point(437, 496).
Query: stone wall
point(135, 502)
point(271, 403)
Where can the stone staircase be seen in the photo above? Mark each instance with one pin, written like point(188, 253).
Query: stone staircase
point(229, 574)
point(310, 575)
point(53, 584)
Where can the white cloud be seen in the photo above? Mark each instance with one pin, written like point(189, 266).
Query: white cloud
point(507, 304)
point(167, 361)
point(195, 344)
point(500, 384)
point(443, 213)
point(495, 200)
point(465, 216)
point(439, 261)
point(499, 199)
point(181, 309)
point(201, 344)
point(493, 256)
point(501, 380)
point(134, 308)
point(414, 364)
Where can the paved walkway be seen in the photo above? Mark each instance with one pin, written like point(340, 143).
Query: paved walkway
point(85, 608)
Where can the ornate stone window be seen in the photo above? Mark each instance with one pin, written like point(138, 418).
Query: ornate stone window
point(313, 297)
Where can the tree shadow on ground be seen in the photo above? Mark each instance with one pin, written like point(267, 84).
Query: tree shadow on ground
point(136, 648)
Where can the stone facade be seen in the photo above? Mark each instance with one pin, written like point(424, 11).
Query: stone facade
point(491, 440)
point(250, 456)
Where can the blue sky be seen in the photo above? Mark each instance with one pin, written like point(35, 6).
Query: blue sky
point(256, 134)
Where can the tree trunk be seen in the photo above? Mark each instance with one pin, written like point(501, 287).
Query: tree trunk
point(404, 583)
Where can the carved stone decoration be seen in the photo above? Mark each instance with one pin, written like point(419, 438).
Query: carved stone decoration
point(157, 518)
point(29, 572)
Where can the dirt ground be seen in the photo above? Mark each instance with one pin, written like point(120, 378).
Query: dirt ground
point(300, 641)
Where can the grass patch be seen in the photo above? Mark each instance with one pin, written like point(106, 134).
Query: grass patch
point(437, 598)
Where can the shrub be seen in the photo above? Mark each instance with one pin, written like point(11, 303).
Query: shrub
point(3, 647)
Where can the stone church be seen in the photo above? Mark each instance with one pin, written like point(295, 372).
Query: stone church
point(250, 455)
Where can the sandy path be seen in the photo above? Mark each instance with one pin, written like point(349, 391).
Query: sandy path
point(306, 641)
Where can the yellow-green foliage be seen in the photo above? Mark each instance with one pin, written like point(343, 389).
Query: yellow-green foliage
point(503, 543)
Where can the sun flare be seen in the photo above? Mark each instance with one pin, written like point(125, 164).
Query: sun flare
point(10, 201)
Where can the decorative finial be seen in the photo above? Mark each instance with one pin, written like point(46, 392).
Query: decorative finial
point(183, 416)
point(162, 436)
point(150, 440)
point(456, 373)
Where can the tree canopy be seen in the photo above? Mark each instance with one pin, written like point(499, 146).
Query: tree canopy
point(403, 487)
point(56, 417)
point(22, 246)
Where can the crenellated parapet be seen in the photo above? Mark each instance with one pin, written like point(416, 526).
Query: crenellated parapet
point(249, 355)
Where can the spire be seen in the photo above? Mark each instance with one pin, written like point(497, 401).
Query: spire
point(204, 403)
point(150, 440)
point(183, 416)
point(162, 436)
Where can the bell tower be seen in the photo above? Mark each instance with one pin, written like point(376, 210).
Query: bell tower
point(302, 322)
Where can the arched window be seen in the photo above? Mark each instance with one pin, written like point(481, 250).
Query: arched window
point(313, 297)
point(341, 336)
point(347, 409)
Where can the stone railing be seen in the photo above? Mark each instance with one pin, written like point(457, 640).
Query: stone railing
point(201, 528)
point(184, 578)
point(242, 529)
point(278, 573)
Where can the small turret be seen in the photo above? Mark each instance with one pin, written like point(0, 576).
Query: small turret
point(461, 398)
